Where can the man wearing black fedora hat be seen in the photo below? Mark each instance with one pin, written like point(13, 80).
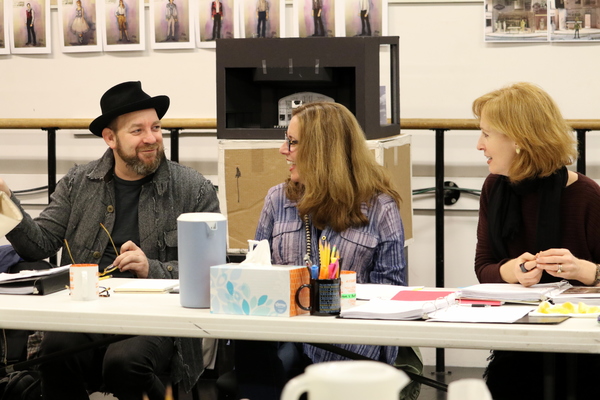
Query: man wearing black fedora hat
point(120, 210)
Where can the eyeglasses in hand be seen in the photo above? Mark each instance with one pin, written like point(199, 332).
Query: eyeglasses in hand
point(111, 267)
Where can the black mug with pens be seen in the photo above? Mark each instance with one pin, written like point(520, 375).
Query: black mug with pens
point(325, 283)
point(324, 296)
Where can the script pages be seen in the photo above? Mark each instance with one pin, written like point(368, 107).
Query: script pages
point(147, 286)
point(513, 292)
point(443, 309)
point(398, 310)
point(576, 294)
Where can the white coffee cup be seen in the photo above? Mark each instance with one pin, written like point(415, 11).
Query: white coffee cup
point(347, 380)
point(83, 279)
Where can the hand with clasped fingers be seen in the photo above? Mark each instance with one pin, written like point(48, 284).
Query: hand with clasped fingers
point(561, 263)
point(527, 269)
point(522, 269)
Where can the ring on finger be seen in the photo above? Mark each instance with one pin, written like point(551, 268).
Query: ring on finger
point(559, 270)
point(523, 269)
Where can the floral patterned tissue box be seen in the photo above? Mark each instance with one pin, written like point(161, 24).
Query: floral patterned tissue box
point(257, 290)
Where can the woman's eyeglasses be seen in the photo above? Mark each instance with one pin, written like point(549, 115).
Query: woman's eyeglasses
point(289, 141)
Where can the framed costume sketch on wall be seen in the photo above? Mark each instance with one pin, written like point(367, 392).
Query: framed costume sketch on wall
point(4, 46)
point(30, 27)
point(571, 22)
point(315, 18)
point(78, 21)
point(553, 21)
point(217, 19)
point(514, 21)
point(172, 24)
point(123, 25)
point(262, 18)
point(364, 17)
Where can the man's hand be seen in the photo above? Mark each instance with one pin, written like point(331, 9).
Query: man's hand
point(132, 259)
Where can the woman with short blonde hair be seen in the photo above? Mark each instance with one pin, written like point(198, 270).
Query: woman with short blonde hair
point(530, 117)
point(538, 223)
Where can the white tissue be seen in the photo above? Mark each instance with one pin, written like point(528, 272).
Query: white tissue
point(261, 255)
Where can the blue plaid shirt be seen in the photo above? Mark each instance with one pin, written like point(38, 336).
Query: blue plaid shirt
point(374, 251)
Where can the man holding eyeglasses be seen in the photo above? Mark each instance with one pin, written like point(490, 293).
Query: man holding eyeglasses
point(136, 194)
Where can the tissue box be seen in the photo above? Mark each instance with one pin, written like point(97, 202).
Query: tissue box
point(258, 290)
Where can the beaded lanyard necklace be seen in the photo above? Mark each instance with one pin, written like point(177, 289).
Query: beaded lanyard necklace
point(307, 259)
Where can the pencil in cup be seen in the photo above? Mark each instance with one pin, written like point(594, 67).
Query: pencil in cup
point(329, 259)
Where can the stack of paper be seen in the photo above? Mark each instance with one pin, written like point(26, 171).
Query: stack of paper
point(441, 310)
point(576, 294)
point(514, 292)
point(41, 282)
point(465, 313)
point(148, 286)
point(398, 310)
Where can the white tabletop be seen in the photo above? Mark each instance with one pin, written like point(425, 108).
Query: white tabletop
point(162, 315)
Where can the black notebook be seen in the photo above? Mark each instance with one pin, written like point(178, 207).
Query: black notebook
point(35, 282)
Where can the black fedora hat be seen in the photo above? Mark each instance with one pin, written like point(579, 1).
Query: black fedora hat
point(124, 98)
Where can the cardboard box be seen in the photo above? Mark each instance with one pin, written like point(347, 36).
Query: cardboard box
point(249, 168)
point(258, 290)
point(394, 154)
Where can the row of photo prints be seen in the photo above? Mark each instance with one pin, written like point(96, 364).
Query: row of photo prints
point(542, 21)
point(118, 25)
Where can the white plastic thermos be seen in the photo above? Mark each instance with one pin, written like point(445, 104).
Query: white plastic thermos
point(202, 243)
point(347, 380)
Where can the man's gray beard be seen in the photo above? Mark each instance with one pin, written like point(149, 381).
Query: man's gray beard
point(138, 166)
